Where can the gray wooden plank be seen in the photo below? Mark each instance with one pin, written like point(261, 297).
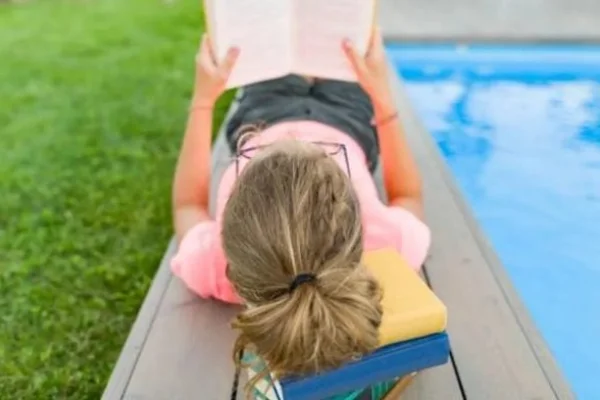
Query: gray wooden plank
point(188, 353)
point(135, 341)
point(497, 351)
point(438, 383)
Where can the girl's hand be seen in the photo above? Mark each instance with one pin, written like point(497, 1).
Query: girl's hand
point(372, 70)
point(211, 77)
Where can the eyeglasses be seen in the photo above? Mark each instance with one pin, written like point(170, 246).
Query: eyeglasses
point(332, 149)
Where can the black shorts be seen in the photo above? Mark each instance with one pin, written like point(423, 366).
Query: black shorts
point(342, 105)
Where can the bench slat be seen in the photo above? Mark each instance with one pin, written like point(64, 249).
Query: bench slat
point(435, 384)
point(137, 336)
point(188, 352)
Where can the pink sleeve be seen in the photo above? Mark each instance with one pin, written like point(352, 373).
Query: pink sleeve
point(201, 264)
point(411, 236)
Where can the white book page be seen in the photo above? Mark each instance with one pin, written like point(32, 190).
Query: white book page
point(261, 29)
point(319, 29)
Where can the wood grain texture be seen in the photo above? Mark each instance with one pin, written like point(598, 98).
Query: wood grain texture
point(438, 383)
point(139, 332)
point(188, 353)
point(497, 351)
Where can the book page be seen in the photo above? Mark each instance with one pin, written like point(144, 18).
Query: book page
point(319, 28)
point(261, 29)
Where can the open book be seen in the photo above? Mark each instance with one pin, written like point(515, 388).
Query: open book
point(280, 37)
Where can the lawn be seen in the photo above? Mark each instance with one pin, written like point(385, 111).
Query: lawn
point(93, 101)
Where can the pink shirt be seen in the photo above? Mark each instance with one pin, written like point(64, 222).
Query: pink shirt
point(200, 261)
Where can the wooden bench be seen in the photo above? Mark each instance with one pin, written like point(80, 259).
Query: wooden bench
point(180, 346)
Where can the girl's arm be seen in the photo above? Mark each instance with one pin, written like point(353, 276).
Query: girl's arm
point(191, 184)
point(400, 173)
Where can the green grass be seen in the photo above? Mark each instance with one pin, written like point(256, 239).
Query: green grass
point(93, 101)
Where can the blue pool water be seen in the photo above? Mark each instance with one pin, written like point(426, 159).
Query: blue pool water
point(520, 130)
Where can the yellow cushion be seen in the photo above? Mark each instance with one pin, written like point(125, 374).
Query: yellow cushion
point(410, 309)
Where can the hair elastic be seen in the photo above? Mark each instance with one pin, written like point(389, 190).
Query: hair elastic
point(301, 279)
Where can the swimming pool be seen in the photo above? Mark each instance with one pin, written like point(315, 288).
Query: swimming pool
point(520, 130)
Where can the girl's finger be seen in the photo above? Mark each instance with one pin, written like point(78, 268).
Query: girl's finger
point(356, 60)
point(372, 40)
point(228, 63)
point(378, 42)
point(376, 55)
point(378, 39)
point(204, 58)
point(211, 50)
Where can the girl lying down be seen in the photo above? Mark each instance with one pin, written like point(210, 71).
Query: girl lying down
point(297, 208)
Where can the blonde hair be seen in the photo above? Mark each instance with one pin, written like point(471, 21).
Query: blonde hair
point(293, 211)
